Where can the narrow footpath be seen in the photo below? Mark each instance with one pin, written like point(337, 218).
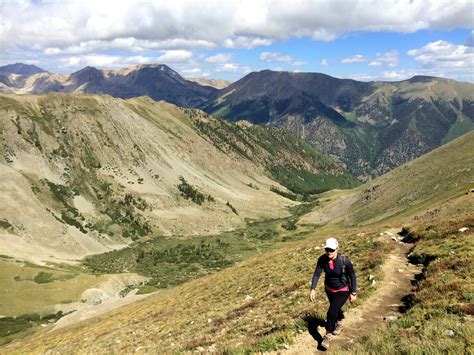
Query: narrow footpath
point(371, 315)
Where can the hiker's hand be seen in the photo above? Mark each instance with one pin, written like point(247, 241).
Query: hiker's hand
point(352, 298)
point(312, 295)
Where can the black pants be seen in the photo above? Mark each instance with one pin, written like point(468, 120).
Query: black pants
point(336, 301)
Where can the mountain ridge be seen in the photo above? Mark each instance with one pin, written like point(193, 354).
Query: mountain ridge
point(370, 127)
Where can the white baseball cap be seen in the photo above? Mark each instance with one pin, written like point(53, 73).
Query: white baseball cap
point(331, 243)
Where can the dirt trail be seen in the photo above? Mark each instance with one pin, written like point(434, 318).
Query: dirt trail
point(370, 315)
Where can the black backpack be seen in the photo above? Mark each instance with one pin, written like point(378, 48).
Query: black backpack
point(344, 275)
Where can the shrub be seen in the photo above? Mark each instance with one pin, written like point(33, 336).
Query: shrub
point(290, 225)
point(43, 277)
point(189, 192)
point(232, 208)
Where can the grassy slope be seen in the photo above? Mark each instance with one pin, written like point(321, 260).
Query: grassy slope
point(24, 295)
point(262, 302)
point(252, 306)
point(292, 162)
point(431, 179)
point(440, 320)
point(216, 310)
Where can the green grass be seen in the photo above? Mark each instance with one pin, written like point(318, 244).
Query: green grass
point(21, 295)
point(433, 178)
point(174, 260)
point(458, 129)
point(257, 305)
point(13, 328)
point(444, 296)
point(305, 182)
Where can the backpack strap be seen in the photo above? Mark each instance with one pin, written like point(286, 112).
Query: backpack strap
point(344, 275)
point(343, 257)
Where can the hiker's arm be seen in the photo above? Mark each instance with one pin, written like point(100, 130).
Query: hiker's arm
point(351, 273)
point(314, 281)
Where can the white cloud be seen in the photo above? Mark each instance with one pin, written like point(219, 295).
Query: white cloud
point(275, 57)
point(442, 54)
point(220, 58)
point(116, 62)
point(324, 63)
point(227, 67)
point(187, 24)
point(388, 59)
point(354, 59)
point(175, 56)
point(299, 63)
point(192, 71)
point(392, 75)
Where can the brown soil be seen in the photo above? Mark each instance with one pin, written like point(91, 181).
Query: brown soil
point(363, 319)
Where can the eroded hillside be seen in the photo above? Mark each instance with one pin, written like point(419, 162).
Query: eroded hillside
point(83, 174)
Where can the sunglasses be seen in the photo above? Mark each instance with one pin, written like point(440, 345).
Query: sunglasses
point(329, 250)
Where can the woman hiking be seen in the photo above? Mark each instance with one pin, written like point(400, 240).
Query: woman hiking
point(339, 284)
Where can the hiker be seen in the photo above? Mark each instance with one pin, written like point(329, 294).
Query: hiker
point(339, 284)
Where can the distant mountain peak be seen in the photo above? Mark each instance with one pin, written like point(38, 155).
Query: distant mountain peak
point(87, 74)
point(21, 69)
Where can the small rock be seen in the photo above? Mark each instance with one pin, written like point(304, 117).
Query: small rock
point(371, 277)
point(390, 318)
point(212, 348)
point(192, 322)
point(360, 234)
point(463, 229)
point(248, 297)
point(286, 346)
point(209, 320)
point(200, 349)
point(394, 238)
point(400, 270)
point(449, 333)
point(373, 282)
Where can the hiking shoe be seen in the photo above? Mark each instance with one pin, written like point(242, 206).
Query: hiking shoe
point(338, 329)
point(325, 342)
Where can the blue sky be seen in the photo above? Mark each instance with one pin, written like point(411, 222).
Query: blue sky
point(363, 40)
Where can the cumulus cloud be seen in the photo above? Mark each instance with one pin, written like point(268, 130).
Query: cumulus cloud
point(116, 62)
point(220, 58)
point(299, 63)
point(388, 59)
point(354, 59)
point(275, 57)
point(392, 75)
point(324, 63)
point(243, 24)
point(175, 56)
point(232, 68)
point(442, 58)
point(227, 67)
